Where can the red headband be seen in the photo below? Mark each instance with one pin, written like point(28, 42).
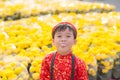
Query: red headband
point(71, 25)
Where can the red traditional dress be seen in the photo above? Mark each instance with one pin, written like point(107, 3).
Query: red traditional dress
point(62, 68)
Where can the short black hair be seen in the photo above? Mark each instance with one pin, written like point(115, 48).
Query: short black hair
point(63, 27)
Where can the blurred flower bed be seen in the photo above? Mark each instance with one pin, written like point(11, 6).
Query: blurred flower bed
point(28, 40)
point(16, 9)
point(25, 42)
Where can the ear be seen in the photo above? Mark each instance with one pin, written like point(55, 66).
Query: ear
point(53, 42)
point(75, 41)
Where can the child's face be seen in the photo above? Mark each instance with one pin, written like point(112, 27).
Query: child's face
point(64, 40)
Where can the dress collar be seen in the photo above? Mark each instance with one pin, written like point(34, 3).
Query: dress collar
point(68, 54)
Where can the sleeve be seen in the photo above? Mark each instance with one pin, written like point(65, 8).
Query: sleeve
point(44, 73)
point(82, 71)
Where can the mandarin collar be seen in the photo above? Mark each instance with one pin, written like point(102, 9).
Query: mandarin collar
point(59, 55)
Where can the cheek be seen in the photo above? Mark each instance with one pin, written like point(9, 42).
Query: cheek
point(54, 42)
point(73, 43)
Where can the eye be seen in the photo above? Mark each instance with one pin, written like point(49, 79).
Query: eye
point(68, 36)
point(59, 36)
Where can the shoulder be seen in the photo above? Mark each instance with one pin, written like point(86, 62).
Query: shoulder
point(80, 64)
point(48, 56)
point(79, 61)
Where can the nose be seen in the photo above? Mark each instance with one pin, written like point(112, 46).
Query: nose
point(63, 39)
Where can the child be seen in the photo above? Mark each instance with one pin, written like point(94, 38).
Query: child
point(62, 64)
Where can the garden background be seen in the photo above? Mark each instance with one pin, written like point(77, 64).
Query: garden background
point(25, 28)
